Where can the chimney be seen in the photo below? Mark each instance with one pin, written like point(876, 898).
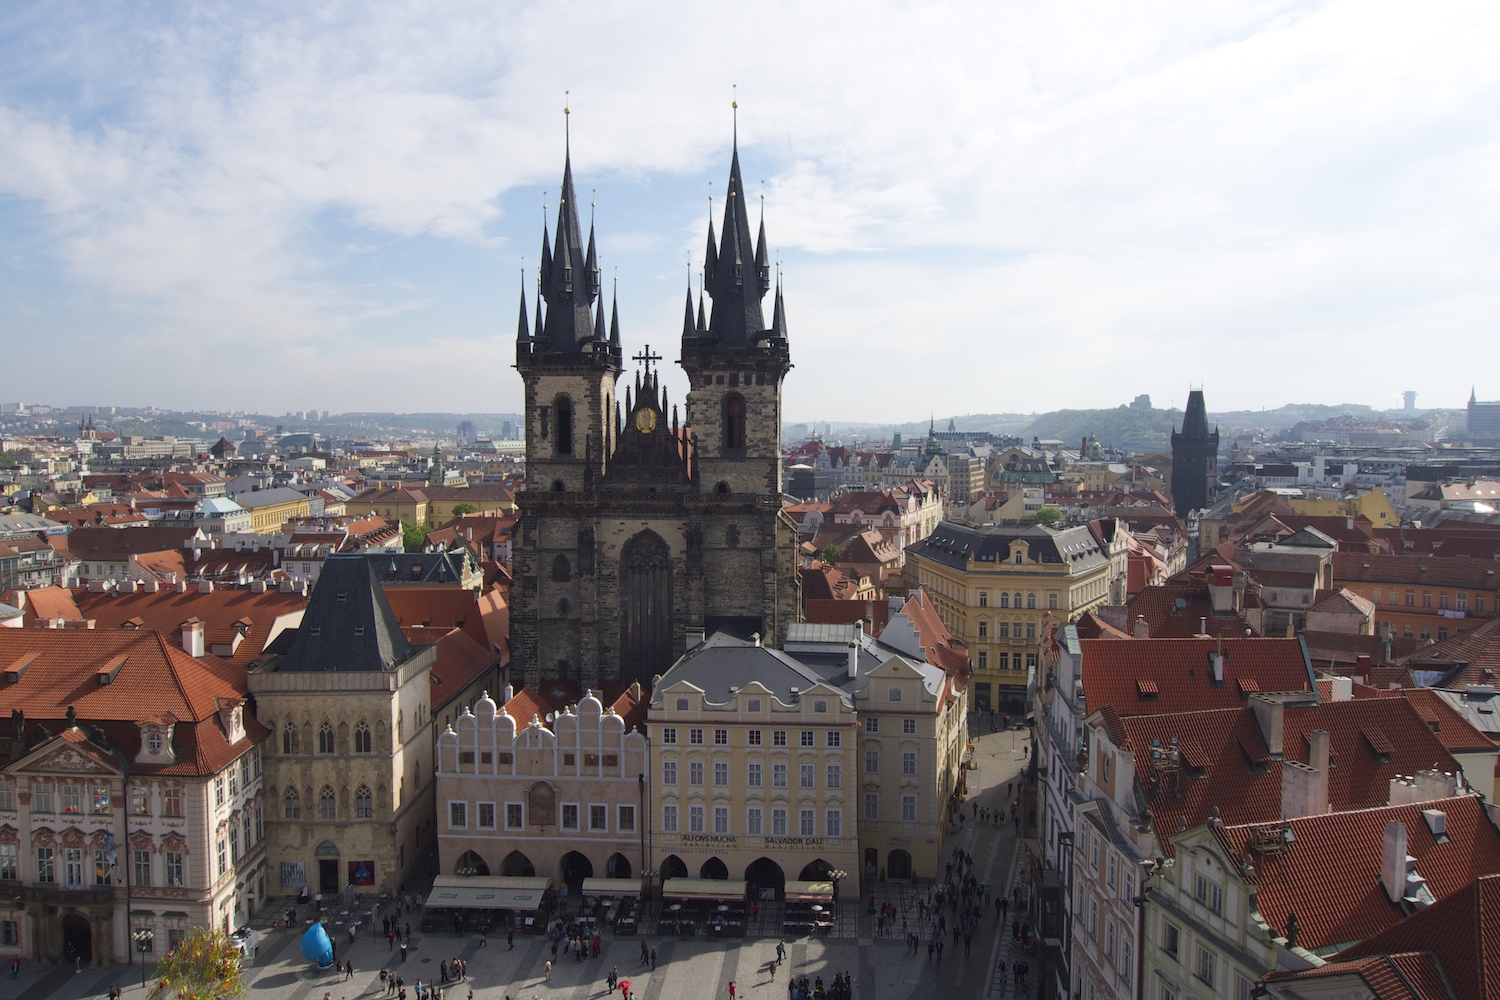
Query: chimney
point(1435, 784)
point(1216, 665)
point(1393, 860)
point(257, 586)
point(694, 635)
point(192, 638)
point(1299, 785)
point(1142, 630)
point(1342, 688)
point(205, 587)
point(1203, 626)
point(1437, 823)
point(853, 660)
point(510, 692)
point(182, 586)
point(755, 638)
point(1362, 664)
point(1319, 759)
point(21, 600)
point(1349, 522)
point(1221, 589)
point(1270, 715)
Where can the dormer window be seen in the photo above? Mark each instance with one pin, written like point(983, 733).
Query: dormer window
point(153, 742)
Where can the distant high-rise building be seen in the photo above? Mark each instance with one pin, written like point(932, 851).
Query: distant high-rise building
point(1484, 418)
point(1195, 458)
point(466, 431)
point(1410, 399)
point(508, 431)
point(1141, 402)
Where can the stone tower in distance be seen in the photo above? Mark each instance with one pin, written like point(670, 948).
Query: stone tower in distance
point(1195, 458)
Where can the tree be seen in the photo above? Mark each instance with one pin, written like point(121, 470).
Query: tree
point(413, 536)
point(204, 966)
point(1048, 516)
point(459, 510)
point(829, 554)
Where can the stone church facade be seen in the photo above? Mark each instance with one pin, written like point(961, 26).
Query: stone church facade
point(641, 526)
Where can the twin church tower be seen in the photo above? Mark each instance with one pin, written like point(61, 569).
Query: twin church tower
point(642, 528)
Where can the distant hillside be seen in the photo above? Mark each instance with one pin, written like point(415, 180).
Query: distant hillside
point(1137, 429)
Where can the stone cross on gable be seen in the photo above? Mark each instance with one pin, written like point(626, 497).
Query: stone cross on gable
point(646, 358)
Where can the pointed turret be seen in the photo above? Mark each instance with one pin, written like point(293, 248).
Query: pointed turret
point(702, 319)
point(711, 253)
point(591, 263)
point(762, 258)
point(599, 333)
point(689, 329)
point(1195, 451)
point(614, 323)
point(523, 333)
point(1195, 419)
point(778, 318)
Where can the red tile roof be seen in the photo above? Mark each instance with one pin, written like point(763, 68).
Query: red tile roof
point(1330, 876)
point(460, 660)
point(1233, 770)
point(836, 612)
point(1405, 976)
point(47, 603)
point(1180, 669)
point(1462, 930)
point(220, 611)
point(156, 679)
point(1461, 659)
point(938, 644)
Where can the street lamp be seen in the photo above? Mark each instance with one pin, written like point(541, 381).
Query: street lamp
point(838, 875)
point(648, 874)
point(143, 939)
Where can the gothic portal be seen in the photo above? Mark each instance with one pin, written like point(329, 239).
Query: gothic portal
point(640, 524)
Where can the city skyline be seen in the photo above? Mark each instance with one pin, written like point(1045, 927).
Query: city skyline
point(252, 210)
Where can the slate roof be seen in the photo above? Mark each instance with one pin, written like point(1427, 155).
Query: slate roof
point(1330, 876)
point(1180, 668)
point(956, 544)
point(1462, 930)
point(349, 624)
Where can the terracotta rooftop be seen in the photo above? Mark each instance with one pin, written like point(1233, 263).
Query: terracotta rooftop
point(1469, 657)
point(1462, 930)
point(1181, 671)
point(1330, 876)
point(221, 612)
point(1416, 975)
point(1230, 766)
point(460, 660)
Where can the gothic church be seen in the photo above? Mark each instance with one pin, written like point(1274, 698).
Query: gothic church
point(639, 528)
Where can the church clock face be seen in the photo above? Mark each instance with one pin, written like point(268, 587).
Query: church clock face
point(645, 420)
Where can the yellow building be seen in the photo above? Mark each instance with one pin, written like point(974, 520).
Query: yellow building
point(753, 772)
point(1374, 506)
point(430, 505)
point(992, 584)
point(270, 509)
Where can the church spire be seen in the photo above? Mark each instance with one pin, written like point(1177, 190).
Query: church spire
point(614, 320)
point(689, 329)
point(738, 320)
point(778, 318)
point(569, 280)
point(523, 334)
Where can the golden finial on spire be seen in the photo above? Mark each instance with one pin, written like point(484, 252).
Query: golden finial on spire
point(734, 105)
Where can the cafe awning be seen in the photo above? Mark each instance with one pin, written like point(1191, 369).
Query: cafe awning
point(808, 891)
point(611, 887)
point(702, 888)
point(487, 892)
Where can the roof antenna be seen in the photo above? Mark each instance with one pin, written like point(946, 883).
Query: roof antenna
point(735, 105)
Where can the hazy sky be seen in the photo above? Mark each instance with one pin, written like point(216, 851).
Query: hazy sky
point(978, 207)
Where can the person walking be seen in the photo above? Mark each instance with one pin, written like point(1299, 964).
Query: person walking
point(653, 958)
point(510, 937)
point(403, 952)
point(548, 976)
point(732, 991)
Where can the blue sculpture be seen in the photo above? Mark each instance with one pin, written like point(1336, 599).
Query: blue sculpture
point(316, 947)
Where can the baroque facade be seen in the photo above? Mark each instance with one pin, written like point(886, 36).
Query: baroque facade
point(638, 524)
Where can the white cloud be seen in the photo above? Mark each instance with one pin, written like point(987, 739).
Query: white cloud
point(1138, 196)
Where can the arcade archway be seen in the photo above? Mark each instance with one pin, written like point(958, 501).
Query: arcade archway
point(714, 868)
point(516, 863)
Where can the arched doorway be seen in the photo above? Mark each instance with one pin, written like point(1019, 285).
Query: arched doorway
point(763, 873)
point(645, 607)
point(576, 868)
point(617, 866)
point(714, 868)
point(470, 863)
point(673, 867)
point(898, 864)
point(516, 863)
point(816, 871)
point(78, 938)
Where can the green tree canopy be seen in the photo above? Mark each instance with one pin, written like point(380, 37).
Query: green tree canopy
point(829, 554)
point(1048, 516)
point(413, 536)
point(459, 510)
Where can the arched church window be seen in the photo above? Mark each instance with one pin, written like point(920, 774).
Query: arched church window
point(325, 738)
point(562, 570)
point(558, 486)
point(292, 804)
point(563, 607)
point(734, 421)
point(327, 805)
point(563, 406)
point(361, 737)
point(646, 619)
point(363, 803)
point(289, 741)
point(721, 488)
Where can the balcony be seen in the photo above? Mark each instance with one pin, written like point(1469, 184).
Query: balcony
point(61, 895)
